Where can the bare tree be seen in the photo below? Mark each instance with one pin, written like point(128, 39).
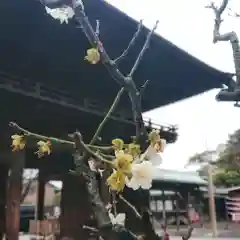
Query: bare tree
point(233, 91)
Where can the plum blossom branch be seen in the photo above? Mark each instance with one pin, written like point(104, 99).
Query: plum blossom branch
point(30, 134)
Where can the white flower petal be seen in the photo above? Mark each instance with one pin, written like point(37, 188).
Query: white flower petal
point(62, 14)
point(120, 219)
point(145, 183)
point(133, 183)
point(156, 160)
point(164, 143)
point(142, 174)
point(112, 218)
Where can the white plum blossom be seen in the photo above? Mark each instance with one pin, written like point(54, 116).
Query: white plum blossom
point(152, 156)
point(142, 175)
point(118, 220)
point(63, 14)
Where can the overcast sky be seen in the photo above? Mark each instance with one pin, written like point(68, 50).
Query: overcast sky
point(203, 122)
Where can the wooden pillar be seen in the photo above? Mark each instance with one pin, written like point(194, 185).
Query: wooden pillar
point(177, 211)
point(199, 200)
point(3, 184)
point(14, 192)
point(41, 195)
point(188, 196)
point(75, 208)
point(164, 215)
point(212, 207)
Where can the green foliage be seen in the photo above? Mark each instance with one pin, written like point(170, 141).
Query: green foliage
point(227, 165)
point(227, 178)
point(57, 199)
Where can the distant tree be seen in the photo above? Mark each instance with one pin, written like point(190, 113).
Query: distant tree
point(226, 161)
point(229, 161)
point(57, 198)
point(29, 176)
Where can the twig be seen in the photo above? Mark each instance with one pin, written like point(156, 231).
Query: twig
point(93, 230)
point(132, 42)
point(234, 14)
point(145, 47)
point(130, 205)
point(27, 133)
point(112, 108)
point(143, 87)
point(38, 136)
point(90, 228)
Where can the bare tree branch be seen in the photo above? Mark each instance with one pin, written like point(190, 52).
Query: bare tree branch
point(111, 110)
point(231, 36)
point(145, 47)
point(126, 82)
point(132, 42)
point(233, 13)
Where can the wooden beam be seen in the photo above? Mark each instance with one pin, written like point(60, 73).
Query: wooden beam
point(14, 192)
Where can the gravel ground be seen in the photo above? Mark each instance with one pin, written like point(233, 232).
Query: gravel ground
point(171, 238)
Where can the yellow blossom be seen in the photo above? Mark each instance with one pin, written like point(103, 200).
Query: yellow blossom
point(159, 146)
point(116, 181)
point(118, 144)
point(18, 142)
point(123, 162)
point(122, 165)
point(133, 149)
point(93, 55)
point(43, 147)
